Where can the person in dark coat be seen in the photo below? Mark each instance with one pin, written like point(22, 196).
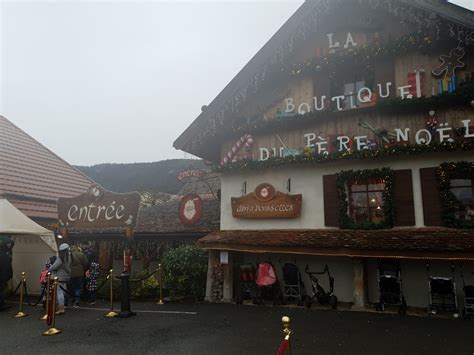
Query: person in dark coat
point(6, 270)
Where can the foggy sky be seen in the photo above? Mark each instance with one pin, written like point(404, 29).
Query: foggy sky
point(118, 82)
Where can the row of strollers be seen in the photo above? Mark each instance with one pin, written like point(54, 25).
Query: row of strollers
point(260, 283)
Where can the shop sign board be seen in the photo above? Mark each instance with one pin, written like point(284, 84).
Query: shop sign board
point(266, 202)
point(99, 208)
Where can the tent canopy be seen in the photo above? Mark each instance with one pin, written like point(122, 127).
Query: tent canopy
point(33, 244)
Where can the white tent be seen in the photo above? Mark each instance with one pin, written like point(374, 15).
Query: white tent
point(33, 245)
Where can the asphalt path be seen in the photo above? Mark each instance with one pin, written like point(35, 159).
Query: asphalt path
point(176, 328)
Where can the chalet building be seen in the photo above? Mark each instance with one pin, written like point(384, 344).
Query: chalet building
point(32, 177)
point(347, 141)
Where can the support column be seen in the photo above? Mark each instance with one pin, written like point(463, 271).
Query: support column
point(211, 263)
point(228, 281)
point(359, 283)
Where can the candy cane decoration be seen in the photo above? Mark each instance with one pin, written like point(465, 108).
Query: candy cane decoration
point(246, 140)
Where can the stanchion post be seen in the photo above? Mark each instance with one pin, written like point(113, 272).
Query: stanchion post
point(160, 268)
point(285, 321)
point(20, 313)
point(53, 330)
point(111, 313)
point(45, 317)
point(125, 309)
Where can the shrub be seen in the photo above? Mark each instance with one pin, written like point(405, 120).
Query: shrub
point(146, 289)
point(185, 270)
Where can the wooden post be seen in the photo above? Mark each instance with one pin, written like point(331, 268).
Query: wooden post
point(228, 281)
point(359, 283)
point(211, 263)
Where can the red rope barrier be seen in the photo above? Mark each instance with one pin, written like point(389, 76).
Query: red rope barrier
point(283, 347)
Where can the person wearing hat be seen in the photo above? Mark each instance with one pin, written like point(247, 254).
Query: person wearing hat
point(61, 269)
point(6, 270)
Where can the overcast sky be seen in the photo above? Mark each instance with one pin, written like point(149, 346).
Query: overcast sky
point(119, 81)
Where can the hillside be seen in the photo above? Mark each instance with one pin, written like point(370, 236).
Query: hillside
point(155, 177)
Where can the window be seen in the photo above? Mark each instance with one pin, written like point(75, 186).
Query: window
point(365, 200)
point(462, 190)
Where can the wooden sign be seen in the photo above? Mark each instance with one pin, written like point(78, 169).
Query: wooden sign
point(266, 202)
point(99, 208)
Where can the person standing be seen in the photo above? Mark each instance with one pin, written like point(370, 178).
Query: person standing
point(79, 265)
point(61, 269)
point(6, 270)
point(91, 278)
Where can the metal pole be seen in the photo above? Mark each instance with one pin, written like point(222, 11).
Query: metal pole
point(45, 317)
point(285, 321)
point(20, 313)
point(53, 330)
point(161, 285)
point(111, 313)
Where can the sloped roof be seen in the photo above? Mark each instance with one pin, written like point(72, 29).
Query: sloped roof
point(428, 243)
point(272, 52)
point(32, 177)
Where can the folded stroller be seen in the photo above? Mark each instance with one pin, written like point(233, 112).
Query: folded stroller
point(293, 287)
point(248, 287)
point(390, 285)
point(442, 293)
point(468, 291)
point(267, 283)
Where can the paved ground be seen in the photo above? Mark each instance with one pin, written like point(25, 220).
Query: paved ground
point(232, 329)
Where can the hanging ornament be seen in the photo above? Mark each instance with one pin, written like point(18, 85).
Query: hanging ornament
point(450, 62)
point(244, 141)
point(431, 121)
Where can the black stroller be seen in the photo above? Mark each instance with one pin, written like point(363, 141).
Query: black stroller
point(442, 293)
point(248, 286)
point(318, 292)
point(390, 285)
point(293, 287)
point(468, 290)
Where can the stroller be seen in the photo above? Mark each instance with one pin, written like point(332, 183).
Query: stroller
point(293, 287)
point(318, 292)
point(442, 293)
point(468, 290)
point(248, 287)
point(390, 286)
point(267, 284)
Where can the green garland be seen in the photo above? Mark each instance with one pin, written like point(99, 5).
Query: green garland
point(344, 177)
point(449, 203)
point(413, 42)
point(310, 156)
point(461, 97)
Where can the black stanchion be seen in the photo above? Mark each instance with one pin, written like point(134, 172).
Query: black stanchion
point(125, 309)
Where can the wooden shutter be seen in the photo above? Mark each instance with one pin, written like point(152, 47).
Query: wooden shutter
point(331, 201)
point(403, 198)
point(431, 197)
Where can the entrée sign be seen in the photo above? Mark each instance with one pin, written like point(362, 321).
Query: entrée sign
point(99, 208)
point(265, 202)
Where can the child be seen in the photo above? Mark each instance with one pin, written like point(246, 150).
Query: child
point(91, 279)
point(44, 277)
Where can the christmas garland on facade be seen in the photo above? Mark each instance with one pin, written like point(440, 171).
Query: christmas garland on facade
point(463, 96)
point(310, 156)
point(421, 42)
point(348, 176)
point(449, 203)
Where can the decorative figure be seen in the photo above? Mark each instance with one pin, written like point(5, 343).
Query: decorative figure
point(432, 121)
point(246, 141)
point(449, 63)
point(382, 134)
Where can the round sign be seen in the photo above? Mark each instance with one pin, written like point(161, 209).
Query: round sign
point(190, 209)
point(264, 192)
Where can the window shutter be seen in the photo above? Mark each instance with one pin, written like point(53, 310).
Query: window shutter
point(331, 201)
point(403, 198)
point(431, 197)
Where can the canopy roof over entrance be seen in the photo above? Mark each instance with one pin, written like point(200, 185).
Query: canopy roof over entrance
point(409, 243)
